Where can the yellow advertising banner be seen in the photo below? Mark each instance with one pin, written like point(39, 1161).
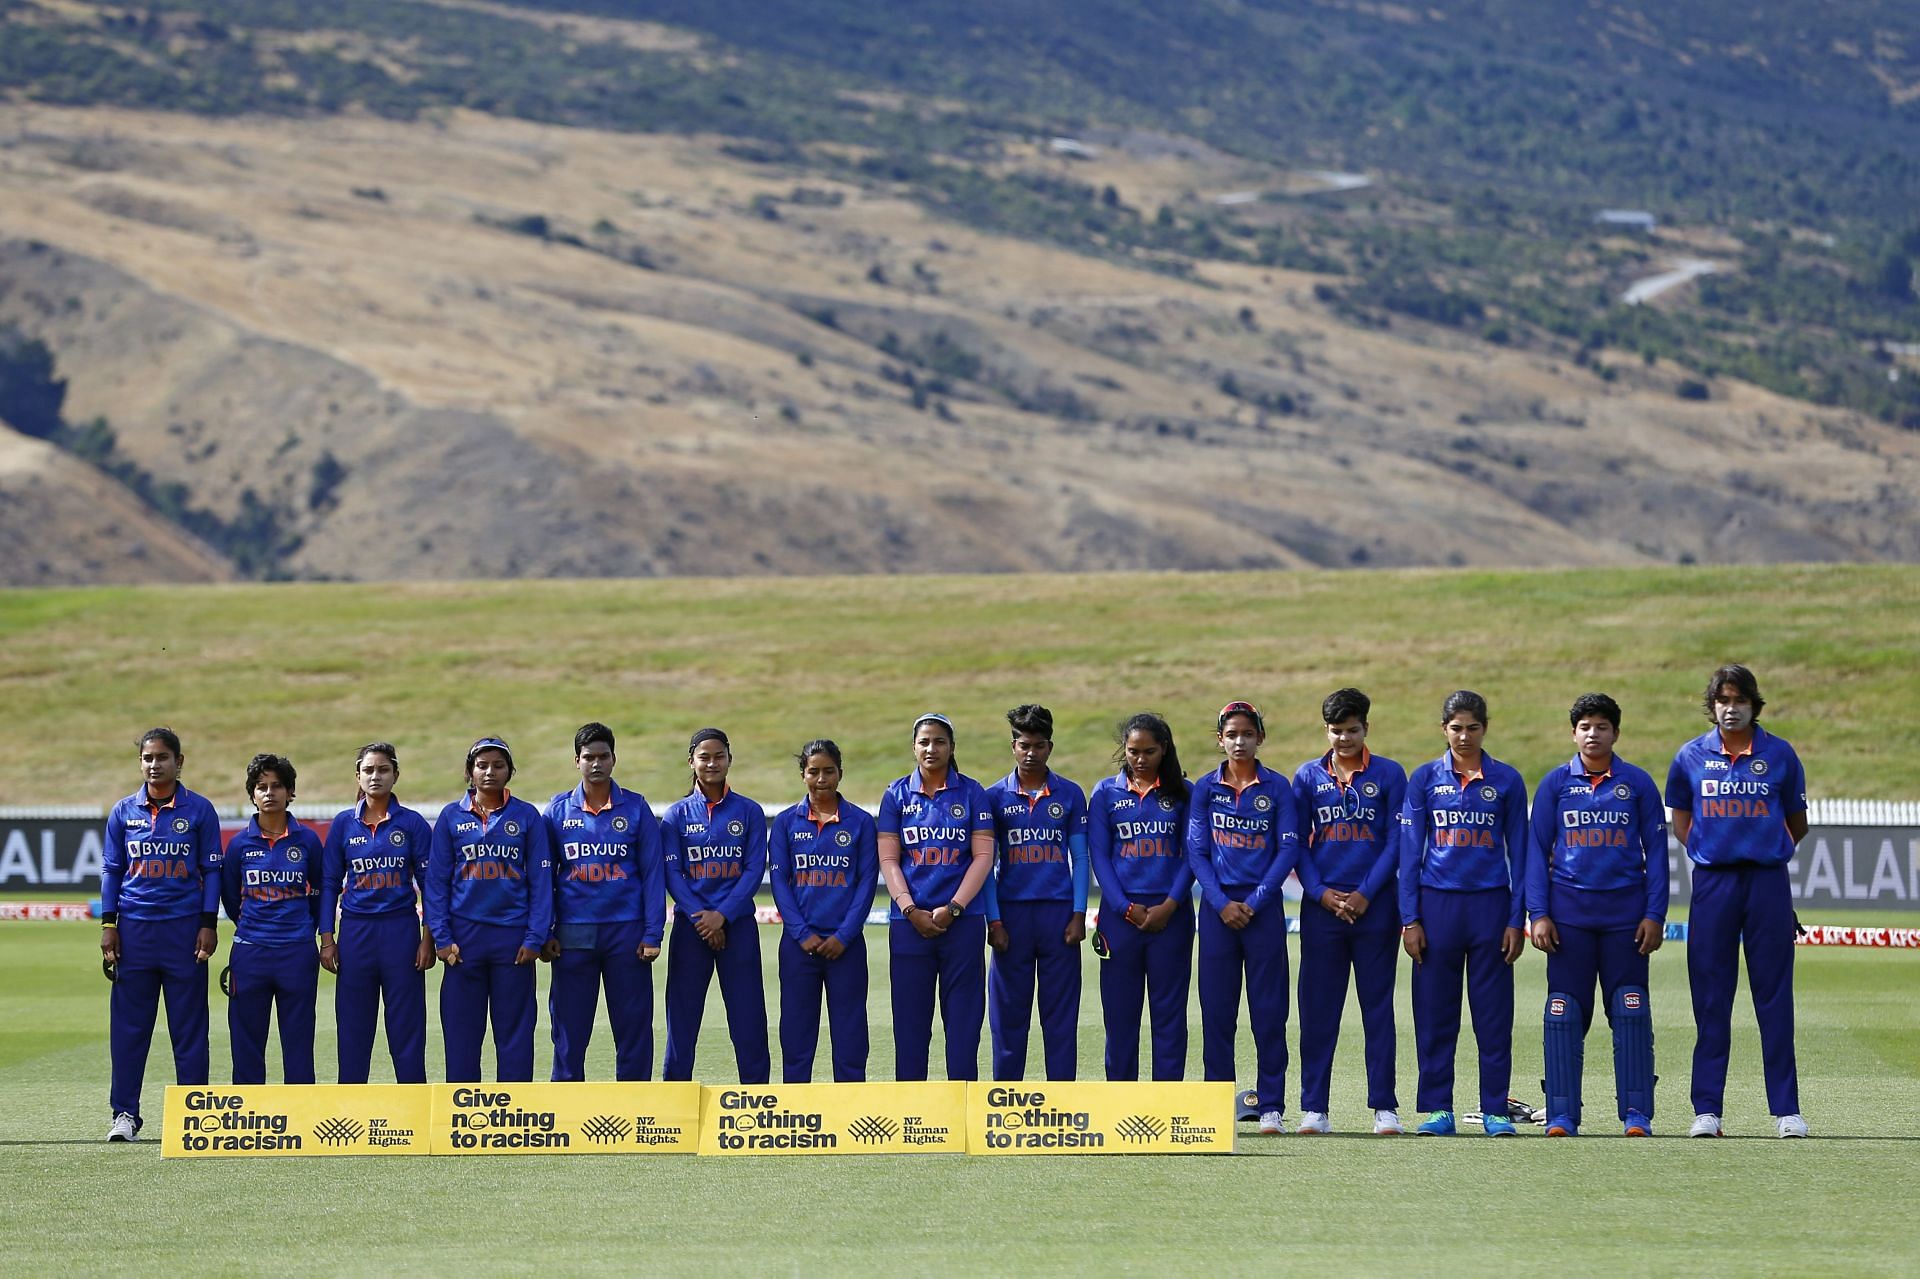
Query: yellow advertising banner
point(223, 1120)
point(565, 1119)
point(835, 1119)
point(1100, 1119)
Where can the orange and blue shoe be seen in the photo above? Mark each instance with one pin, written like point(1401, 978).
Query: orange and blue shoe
point(1638, 1125)
point(1561, 1126)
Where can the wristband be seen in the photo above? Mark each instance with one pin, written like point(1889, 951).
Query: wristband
point(109, 919)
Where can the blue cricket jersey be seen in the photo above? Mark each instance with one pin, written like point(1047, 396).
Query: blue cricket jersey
point(496, 871)
point(161, 861)
point(936, 834)
point(373, 869)
point(1242, 844)
point(715, 853)
point(609, 863)
point(1137, 843)
point(1349, 835)
point(1039, 843)
point(1463, 833)
point(271, 887)
point(824, 871)
point(1739, 803)
point(1597, 834)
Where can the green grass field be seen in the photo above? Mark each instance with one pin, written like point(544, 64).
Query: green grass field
point(312, 671)
point(1753, 1204)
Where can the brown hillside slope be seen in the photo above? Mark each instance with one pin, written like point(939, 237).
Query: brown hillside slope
point(712, 379)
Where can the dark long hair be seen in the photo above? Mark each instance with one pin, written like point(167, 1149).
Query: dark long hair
point(1173, 780)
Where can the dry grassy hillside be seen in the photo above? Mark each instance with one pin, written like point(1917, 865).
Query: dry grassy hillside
point(545, 351)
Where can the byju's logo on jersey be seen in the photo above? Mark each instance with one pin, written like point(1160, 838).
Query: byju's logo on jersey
point(843, 837)
point(1489, 794)
point(1758, 767)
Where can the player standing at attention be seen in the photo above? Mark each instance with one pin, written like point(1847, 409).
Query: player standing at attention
point(489, 895)
point(715, 842)
point(1242, 842)
point(1136, 828)
point(159, 900)
point(1036, 902)
point(1349, 801)
point(1739, 801)
point(1463, 848)
point(374, 863)
point(1597, 891)
point(270, 885)
point(609, 911)
point(825, 861)
point(936, 849)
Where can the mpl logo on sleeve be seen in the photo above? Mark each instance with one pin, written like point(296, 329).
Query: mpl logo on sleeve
point(226, 1120)
point(565, 1119)
point(1100, 1118)
point(835, 1119)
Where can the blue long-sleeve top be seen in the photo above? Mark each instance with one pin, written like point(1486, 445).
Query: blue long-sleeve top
point(823, 870)
point(609, 863)
point(1349, 833)
point(1242, 843)
point(495, 870)
point(271, 887)
point(1739, 803)
point(1136, 841)
point(1039, 843)
point(161, 861)
point(372, 869)
point(1597, 833)
point(716, 853)
point(935, 830)
point(1464, 833)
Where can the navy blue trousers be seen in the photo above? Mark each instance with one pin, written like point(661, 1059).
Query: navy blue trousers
point(954, 966)
point(1587, 955)
point(1464, 932)
point(156, 956)
point(486, 983)
point(1369, 948)
point(269, 981)
point(803, 978)
point(691, 965)
point(1151, 968)
point(1750, 906)
point(611, 958)
point(1036, 947)
point(376, 966)
point(1260, 950)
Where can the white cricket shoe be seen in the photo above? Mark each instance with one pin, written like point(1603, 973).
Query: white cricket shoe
point(1791, 1126)
point(1705, 1126)
point(1314, 1121)
point(1272, 1123)
point(127, 1128)
point(1386, 1124)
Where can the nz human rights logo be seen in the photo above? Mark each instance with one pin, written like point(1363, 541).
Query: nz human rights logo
point(872, 1130)
point(1140, 1129)
point(338, 1131)
point(606, 1130)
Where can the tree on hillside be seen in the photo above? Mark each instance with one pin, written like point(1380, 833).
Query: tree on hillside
point(30, 395)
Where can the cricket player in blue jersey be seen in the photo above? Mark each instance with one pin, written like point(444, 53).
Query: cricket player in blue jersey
point(823, 857)
point(1463, 849)
point(1739, 801)
point(1136, 840)
point(935, 836)
point(1242, 841)
point(1036, 903)
point(1597, 892)
point(1349, 802)
point(489, 901)
point(715, 842)
point(270, 885)
point(159, 902)
point(609, 911)
point(375, 861)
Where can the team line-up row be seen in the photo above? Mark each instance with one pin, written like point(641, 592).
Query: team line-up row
point(1446, 864)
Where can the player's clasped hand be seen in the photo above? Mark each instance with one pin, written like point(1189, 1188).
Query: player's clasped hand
point(712, 927)
point(449, 954)
point(1236, 915)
